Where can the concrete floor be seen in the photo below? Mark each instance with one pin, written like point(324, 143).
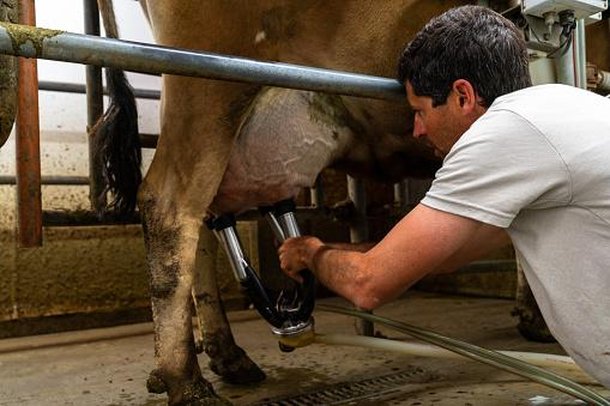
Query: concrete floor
point(110, 366)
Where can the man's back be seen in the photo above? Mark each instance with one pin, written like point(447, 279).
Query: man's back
point(538, 164)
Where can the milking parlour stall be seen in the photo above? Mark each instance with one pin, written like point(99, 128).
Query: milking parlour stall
point(141, 212)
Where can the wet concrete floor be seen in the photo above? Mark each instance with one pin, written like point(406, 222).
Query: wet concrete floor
point(110, 366)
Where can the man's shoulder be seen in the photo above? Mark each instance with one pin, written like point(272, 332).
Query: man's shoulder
point(544, 91)
point(550, 108)
point(545, 96)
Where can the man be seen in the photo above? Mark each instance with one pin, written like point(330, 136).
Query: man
point(527, 162)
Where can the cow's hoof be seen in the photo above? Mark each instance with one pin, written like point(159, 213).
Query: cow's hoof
point(532, 326)
point(195, 393)
point(238, 369)
point(198, 393)
point(199, 346)
point(155, 383)
point(536, 332)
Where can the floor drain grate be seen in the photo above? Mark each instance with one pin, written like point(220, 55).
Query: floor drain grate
point(348, 392)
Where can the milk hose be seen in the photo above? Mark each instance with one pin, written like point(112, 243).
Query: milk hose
point(486, 356)
point(556, 362)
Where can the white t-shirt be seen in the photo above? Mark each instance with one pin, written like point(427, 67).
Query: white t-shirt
point(538, 164)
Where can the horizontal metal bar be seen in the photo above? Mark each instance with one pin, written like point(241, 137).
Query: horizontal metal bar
point(50, 180)
point(35, 42)
point(77, 218)
point(63, 218)
point(78, 88)
point(149, 140)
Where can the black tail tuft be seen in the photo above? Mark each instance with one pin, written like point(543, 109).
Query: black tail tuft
point(117, 146)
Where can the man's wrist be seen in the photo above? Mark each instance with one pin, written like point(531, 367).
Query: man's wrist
point(317, 252)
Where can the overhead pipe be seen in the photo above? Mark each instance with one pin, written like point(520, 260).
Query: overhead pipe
point(57, 45)
point(27, 145)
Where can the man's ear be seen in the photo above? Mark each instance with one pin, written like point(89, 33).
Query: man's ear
point(466, 95)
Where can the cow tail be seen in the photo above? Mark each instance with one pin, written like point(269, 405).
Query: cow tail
point(116, 136)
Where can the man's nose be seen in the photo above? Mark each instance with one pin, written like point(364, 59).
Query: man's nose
point(419, 130)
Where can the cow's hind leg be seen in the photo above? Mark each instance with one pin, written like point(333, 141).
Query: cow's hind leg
point(227, 359)
point(171, 242)
point(531, 323)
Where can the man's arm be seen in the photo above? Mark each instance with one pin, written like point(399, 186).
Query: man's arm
point(486, 239)
point(359, 246)
point(423, 241)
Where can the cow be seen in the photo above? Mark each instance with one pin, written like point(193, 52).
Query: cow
point(226, 147)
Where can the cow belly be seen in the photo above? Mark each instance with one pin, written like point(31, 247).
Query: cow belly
point(284, 141)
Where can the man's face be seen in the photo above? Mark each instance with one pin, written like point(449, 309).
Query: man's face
point(438, 126)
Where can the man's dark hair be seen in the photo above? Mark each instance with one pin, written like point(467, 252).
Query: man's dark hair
point(469, 42)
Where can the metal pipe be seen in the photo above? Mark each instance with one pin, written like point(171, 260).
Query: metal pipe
point(62, 218)
point(50, 180)
point(565, 61)
point(358, 230)
point(289, 225)
point(27, 145)
point(316, 193)
point(581, 54)
point(275, 226)
point(358, 233)
point(95, 109)
point(230, 241)
point(401, 194)
point(597, 80)
point(146, 58)
point(603, 83)
point(78, 88)
point(149, 140)
point(565, 66)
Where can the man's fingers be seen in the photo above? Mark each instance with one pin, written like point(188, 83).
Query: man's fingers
point(289, 262)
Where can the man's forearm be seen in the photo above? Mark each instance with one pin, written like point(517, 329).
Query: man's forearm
point(345, 272)
point(358, 247)
point(422, 241)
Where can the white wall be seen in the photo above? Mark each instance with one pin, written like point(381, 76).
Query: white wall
point(63, 116)
point(68, 15)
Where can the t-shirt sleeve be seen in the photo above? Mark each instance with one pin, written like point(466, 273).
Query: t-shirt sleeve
point(500, 166)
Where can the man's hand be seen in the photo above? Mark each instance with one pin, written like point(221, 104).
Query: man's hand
point(296, 254)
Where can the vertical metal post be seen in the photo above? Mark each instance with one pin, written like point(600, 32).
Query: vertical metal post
point(316, 194)
point(359, 232)
point(95, 108)
point(581, 54)
point(565, 68)
point(401, 194)
point(566, 64)
point(27, 146)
